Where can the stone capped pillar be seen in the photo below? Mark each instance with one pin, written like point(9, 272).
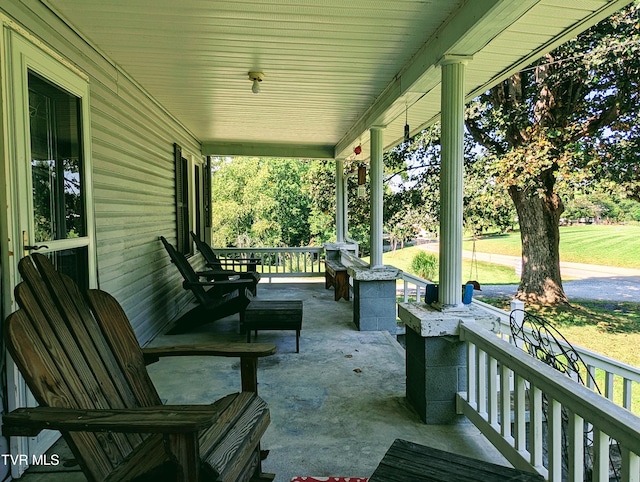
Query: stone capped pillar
point(374, 298)
point(332, 250)
point(436, 364)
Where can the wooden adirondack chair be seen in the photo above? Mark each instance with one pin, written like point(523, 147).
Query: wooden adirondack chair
point(214, 262)
point(80, 358)
point(218, 300)
point(219, 271)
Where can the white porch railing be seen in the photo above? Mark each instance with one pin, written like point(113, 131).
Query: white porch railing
point(281, 262)
point(613, 373)
point(496, 367)
point(609, 373)
point(415, 284)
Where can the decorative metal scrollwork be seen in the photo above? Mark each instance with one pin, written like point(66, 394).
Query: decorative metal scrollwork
point(545, 342)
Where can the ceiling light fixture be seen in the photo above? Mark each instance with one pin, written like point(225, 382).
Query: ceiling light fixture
point(256, 78)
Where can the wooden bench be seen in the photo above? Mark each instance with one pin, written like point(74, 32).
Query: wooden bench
point(407, 461)
point(80, 358)
point(335, 274)
point(273, 315)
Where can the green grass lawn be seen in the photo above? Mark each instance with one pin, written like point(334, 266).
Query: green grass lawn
point(603, 245)
point(608, 245)
point(481, 272)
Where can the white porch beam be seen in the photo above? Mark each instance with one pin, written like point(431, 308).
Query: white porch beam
point(468, 31)
point(375, 177)
point(451, 182)
point(252, 149)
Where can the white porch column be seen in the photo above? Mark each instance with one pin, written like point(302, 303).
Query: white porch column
point(451, 182)
point(345, 216)
point(375, 176)
point(340, 197)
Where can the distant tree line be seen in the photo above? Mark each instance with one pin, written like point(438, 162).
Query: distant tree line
point(292, 202)
point(256, 202)
point(600, 207)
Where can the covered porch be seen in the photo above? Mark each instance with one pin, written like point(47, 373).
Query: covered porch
point(154, 79)
point(336, 406)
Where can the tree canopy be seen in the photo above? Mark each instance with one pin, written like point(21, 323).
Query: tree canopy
point(569, 120)
point(255, 202)
point(291, 202)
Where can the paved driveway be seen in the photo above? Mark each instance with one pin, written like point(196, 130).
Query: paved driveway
point(617, 288)
point(589, 281)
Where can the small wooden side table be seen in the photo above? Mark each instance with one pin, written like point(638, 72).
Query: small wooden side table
point(273, 315)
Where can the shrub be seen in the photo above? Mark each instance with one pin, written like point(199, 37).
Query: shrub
point(425, 265)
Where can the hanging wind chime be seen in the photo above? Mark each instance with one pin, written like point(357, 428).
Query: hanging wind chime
point(406, 123)
point(362, 181)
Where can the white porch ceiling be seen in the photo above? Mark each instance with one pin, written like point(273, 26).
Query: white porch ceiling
point(333, 68)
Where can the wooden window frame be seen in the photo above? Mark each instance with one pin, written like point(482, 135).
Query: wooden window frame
point(192, 199)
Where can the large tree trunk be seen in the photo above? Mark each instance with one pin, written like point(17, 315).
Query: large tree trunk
point(539, 215)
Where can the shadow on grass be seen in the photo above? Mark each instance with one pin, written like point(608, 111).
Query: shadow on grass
point(607, 316)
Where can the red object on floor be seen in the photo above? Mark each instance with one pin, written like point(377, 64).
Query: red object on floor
point(329, 479)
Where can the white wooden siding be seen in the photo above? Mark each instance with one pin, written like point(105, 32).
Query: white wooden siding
point(132, 150)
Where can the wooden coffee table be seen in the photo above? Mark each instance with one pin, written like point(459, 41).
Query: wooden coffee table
point(273, 315)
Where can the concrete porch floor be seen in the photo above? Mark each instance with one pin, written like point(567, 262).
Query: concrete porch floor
point(336, 407)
